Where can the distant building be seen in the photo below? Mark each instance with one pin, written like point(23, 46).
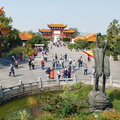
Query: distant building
point(88, 37)
point(25, 36)
point(57, 32)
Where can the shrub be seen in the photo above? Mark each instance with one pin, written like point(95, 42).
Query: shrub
point(66, 39)
point(71, 46)
point(108, 52)
point(110, 115)
point(115, 58)
point(20, 115)
point(78, 85)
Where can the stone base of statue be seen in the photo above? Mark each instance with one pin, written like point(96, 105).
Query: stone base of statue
point(99, 100)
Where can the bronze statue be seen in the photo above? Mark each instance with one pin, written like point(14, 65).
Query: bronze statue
point(97, 97)
point(102, 65)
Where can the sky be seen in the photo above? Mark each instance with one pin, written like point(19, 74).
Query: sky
point(90, 16)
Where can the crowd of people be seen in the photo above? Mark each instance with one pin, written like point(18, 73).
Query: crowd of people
point(61, 66)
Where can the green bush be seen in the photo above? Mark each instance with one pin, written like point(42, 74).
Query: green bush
point(66, 39)
point(108, 53)
point(115, 58)
point(78, 85)
point(71, 46)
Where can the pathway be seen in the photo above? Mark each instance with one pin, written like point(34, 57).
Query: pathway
point(26, 75)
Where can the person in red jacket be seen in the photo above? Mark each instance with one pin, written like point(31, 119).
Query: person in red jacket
point(42, 64)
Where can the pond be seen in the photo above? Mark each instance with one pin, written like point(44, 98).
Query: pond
point(9, 107)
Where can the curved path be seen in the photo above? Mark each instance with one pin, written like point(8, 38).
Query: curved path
point(26, 75)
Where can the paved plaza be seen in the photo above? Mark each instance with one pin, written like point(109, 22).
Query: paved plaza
point(23, 73)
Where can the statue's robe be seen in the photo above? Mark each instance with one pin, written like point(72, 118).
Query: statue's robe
point(99, 65)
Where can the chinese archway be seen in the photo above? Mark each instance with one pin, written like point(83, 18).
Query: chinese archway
point(57, 32)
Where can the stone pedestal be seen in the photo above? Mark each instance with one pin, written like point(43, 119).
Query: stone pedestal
point(99, 100)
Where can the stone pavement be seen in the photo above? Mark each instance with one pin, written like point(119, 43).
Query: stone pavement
point(26, 75)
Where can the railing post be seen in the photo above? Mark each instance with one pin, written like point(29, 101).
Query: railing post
point(92, 82)
point(57, 82)
point(1, 91)
point(110, 57)
point(118, 57)
point(75, 79)
point(39, 82)
point(67, 81)
point(111, 81)
point(21, 89)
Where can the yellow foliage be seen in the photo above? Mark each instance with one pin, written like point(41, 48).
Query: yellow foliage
point(31, 101)
point(111, 115)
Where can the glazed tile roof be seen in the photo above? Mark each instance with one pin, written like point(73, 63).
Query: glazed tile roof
point(69, 31)
point(44, 30)
point(25, 36)
point(88, 37)
point(1, 10)
point(57, 25)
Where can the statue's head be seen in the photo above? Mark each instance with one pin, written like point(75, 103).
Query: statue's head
point(99, 34)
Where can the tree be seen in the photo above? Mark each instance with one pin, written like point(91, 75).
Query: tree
point(82, 44)
point(4, 27)
point(66, 39)
point(37, 39)
point(117, 48)
point(11, 40)
point(24, 50)
point(5, 21)
point(76, 32)
point(112, 31)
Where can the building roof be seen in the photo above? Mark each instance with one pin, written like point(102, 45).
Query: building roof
point(57, 25)
point(44, 30)
point(69, 31)
point(25, 36)
point(1, 10)
point(88, 37)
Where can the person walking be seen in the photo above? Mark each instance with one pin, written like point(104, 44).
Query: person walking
point(81, 61)
point(88, 58)
point(57, 64)
point(56, 56)
point(52, 57)
point(69, 73)
point(42, 64)
point(33, 64)
point(59, 74)
point(45, 57)
point(29, 64)
point(48, 73)
point(65, 56)
point(53, 64)
point(73, 64)
point(11, 70)
point(16, 64)
point(65, 73)
point(52, 74)
point(85, 69)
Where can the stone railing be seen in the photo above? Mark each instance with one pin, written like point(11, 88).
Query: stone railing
point(24, 89)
